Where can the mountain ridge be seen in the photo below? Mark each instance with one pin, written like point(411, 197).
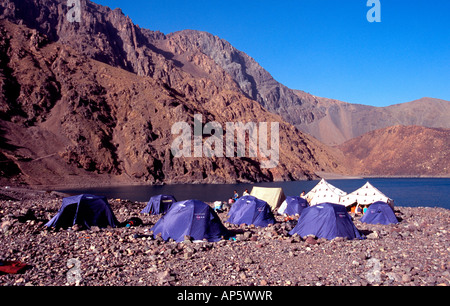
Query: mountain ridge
point(344, 121)
point(75, 120)
point(400, 151)
point(153, 53)
point(105, 92)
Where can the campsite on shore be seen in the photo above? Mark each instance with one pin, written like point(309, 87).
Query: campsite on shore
point(414, 251)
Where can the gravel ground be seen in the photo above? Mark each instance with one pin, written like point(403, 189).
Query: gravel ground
point(414, 252)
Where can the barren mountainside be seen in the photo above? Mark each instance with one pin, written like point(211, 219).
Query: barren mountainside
point(344, 121)
point(400, 151)
point(93, 103)
point(294, 106)
point(109, 36)
point(69, 119)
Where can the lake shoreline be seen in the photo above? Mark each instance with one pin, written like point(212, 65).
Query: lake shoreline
point(118, 183)
point(413, 192)
point(407, 254)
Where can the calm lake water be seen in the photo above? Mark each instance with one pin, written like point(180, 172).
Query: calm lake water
point(411, 192)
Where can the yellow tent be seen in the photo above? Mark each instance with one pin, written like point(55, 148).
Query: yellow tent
point(273, 196)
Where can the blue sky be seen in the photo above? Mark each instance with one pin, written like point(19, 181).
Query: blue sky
point(324, 47)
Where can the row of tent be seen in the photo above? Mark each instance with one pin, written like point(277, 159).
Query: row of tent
point(198, 220)
point(323, 192)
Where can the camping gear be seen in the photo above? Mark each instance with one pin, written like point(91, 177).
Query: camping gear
point(324, 192)
point(293, 206)
point(251, 210)
point(12, 267)
point(366, 195)
point(192, 218)
point(379, 213)
point(327, 221)
point(134, 221)
point(159, 204)
point(272, 196)
point(84, 210)
point(218, 205)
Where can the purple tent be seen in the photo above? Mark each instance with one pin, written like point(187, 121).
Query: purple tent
point(250, 210)
point(379, 213)
point(293, 206)
point(159, 204)
point(190, 218)
point(85, 210)
point(326, 221)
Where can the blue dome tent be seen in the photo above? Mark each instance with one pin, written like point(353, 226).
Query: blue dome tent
point(192, 218)
point(326, 221)
point(84, 210)
point(159, 204)
point(250, 210)
point(293, 206)
point(379, 213)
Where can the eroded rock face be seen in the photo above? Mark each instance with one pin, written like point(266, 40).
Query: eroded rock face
point(111, 37)
point(294, 106)
point(69, 119)
point(117, 122)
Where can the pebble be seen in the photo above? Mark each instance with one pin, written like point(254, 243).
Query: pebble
point(413, 252)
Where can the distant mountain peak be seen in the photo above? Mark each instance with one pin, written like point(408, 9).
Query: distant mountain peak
point(343, 121)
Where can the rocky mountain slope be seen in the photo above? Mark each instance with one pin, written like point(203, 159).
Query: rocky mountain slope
point(400, 150)
point(69, 119)
point(344, 121)
point(109, 36)
point(295, 107)
point(93, 102)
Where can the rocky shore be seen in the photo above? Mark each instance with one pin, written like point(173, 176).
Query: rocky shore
point(413, 253)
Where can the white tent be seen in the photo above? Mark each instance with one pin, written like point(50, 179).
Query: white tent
point(324, 192)
point(366, 195)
